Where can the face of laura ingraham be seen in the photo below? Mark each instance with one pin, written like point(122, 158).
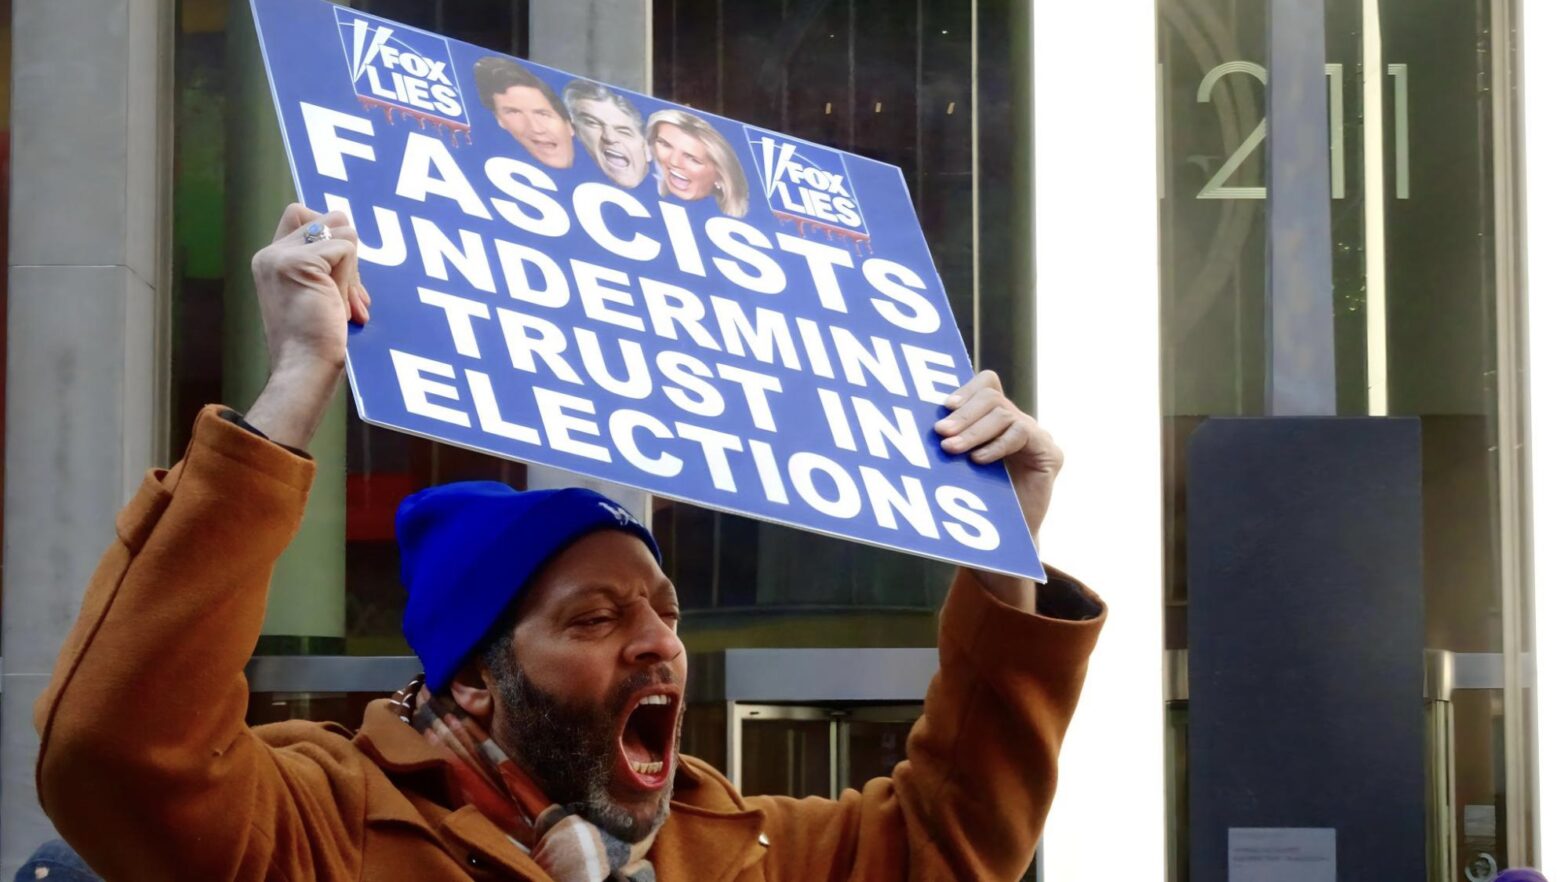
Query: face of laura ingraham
point(590, 697)
point(614, 139)
point(688, 169)
point(528, 115)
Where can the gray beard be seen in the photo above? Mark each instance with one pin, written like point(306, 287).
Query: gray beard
point(571, 749)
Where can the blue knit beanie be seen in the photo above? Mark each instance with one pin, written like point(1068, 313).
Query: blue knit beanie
point(470, 548)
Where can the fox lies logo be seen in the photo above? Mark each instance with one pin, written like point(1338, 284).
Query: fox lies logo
point(807, 184)
point(401, 70)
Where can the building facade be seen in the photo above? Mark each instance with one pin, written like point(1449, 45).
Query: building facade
point(1262, 269)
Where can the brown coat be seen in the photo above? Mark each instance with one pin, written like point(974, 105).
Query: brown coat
point(148, 768)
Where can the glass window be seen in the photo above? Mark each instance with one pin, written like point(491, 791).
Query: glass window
point(1420, 329)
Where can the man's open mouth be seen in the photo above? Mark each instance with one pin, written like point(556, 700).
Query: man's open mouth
point(615, 157)
point(545, 144)
point(648, 737)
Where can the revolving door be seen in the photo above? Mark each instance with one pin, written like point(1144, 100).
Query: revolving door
point(804, 722)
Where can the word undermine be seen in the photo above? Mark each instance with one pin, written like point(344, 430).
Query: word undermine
point(754, 324)
point(608, 297)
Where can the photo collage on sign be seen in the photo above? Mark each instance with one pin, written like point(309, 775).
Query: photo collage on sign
point(689, 159)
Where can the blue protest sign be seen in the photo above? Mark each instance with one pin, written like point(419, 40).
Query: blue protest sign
point(580, 276)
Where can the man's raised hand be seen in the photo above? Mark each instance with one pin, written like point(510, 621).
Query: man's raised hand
point(988, 426)
point(308, 293)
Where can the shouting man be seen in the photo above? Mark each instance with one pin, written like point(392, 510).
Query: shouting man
point(541, 744)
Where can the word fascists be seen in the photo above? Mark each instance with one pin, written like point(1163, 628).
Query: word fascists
point(525, 201)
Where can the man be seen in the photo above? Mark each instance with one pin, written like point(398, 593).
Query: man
point(611, 129)
point(527, 108)
point(542, 744)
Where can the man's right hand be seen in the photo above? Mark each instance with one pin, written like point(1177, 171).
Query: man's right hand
point(308, 292)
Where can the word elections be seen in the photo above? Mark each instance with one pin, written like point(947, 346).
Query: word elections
point(620, 312)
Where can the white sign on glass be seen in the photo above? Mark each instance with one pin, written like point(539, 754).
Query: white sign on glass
point(1282, 854)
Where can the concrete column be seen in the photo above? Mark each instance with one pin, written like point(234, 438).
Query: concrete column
point(609, 41)
point(305, 610)
point(85, 402)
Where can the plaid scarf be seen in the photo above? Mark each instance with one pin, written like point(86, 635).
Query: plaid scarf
point(566, 846)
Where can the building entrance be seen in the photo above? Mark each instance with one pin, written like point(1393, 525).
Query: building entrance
point(806, 722)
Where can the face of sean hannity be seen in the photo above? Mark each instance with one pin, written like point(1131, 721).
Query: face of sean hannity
point(614, 139)
point(531, 118)
point(590, 696)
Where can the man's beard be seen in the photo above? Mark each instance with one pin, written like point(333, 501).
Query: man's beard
point(571, 749)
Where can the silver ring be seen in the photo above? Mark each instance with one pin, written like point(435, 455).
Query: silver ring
point(316, 232)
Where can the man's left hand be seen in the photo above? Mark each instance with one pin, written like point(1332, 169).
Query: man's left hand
point(988, 426)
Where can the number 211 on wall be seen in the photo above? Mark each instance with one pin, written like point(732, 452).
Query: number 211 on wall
point(1216, 186)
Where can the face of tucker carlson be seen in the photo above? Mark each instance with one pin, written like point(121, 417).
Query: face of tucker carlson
point(588, 694)
point(530, 116)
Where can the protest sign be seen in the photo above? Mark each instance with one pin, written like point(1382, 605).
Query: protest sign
point(584, 277)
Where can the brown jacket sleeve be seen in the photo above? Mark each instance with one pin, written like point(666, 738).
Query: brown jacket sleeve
point(971, 799)
point(146, 764)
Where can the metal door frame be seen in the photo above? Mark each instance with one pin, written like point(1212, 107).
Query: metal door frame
point(838, 718)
